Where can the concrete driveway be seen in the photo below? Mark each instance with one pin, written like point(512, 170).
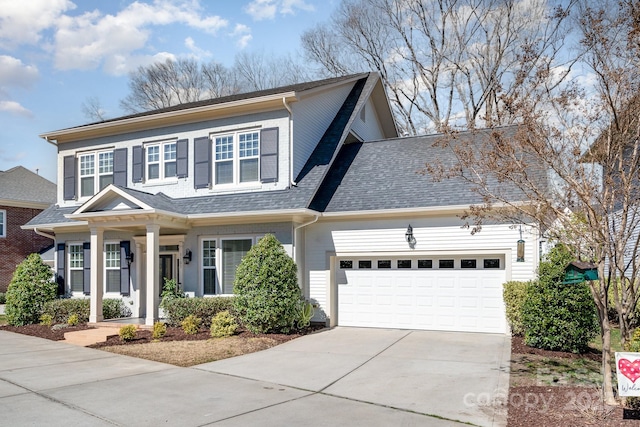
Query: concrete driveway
point(343, 376)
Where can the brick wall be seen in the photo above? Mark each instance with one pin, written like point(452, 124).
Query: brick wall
point(18, 243)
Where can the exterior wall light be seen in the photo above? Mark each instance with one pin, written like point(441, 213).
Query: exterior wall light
point(409, 236)
point(129, 258)
point(187, 256)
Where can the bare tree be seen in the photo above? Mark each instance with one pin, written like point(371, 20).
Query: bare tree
point(258, 71)
point(444, 63)
point(586, 138)
point(92, 109)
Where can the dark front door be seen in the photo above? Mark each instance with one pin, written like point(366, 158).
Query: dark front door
point(166, 269)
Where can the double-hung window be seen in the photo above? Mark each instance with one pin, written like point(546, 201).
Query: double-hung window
point(96, 172)
point(76, 266)
point(3, 223)
point(220, 259)
point(236, 157)
point(161, 161)
point(112, 267)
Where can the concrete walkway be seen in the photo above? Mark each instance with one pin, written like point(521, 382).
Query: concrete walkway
point(344, 376)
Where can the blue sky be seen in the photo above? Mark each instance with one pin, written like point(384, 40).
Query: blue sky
point(55, 54)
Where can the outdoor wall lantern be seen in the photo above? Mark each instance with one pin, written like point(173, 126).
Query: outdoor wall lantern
point(520, 248)
point(187, 256)
point(129, 258)
point(409, 236)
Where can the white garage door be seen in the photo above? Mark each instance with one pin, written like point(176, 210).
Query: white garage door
point(447, 293)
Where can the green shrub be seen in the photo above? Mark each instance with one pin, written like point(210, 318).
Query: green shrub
point(305, 313)
point(73, 320)
point(61, 309)
point(159, 330)
point(170, 291)
point(514, 294)
point(191, 325)
point(128, 332)
point(46, 320)
point(31, 287)
point(178, 309)
point(558, 316)
point(3, 298)
point(114, 308)
point(223, 324)
point(266, 288)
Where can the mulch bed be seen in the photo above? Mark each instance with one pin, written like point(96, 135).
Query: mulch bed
point(561, 406)
point(43, 331)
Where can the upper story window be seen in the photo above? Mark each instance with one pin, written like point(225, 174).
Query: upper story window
point(96, 172)
point(162, 161)
point(236, 157)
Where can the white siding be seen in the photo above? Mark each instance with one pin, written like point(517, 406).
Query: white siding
point(436, 235)
point(369, 129)
point(311, 118)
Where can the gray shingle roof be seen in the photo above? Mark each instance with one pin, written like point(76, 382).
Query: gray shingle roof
point(54, 214)
point(390, 174)
point(21, 185)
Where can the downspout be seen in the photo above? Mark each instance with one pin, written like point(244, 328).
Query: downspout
point(288, 107)
point(301, 271)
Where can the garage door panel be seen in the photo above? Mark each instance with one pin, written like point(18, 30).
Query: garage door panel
point(450, 300)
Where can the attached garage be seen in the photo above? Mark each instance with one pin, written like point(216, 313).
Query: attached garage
point(446, 293)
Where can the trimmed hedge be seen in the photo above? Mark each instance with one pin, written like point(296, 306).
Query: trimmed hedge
point(514, 294)
point(61, 309)
point(178, 309)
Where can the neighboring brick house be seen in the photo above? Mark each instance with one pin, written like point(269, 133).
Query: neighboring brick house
point(23, 195)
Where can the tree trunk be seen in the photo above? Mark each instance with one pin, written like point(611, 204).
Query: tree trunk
point(607, 376)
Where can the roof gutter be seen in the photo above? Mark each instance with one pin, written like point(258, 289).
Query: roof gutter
point(288, 107)
point(295, 239)
point(43, 234)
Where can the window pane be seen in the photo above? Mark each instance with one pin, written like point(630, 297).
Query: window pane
point(112, 255)
point(364, 264)
point(113, 280)
point(209, 253)
point(87, 165)
point(425, 263)
point(105, 163)
point(105, 180)
point(2, 221)
point(346, 264)
point(249, 170)
point(404, 263)
point(468, 263)
point(232, 253)
point(75, 256)
point(153, 154)
point(224, 147)
point(445, 263)
point(76, 280)
point(224, 172)
point(209, 281)
point(170, 169)
point(154, 171)
point(492, 263)
point(86, 187)
point(170, 152)
point(384, 263)
point(248, 144)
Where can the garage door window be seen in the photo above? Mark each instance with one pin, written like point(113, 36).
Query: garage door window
point(445, 263)
point(384, 263)
point(468, 263)
point(404, 263)
point(364, 264)
point(346, 264)
point(425, 263)
point(491, 263)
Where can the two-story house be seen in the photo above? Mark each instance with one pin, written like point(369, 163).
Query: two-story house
point(23, 195)
point(184, 192)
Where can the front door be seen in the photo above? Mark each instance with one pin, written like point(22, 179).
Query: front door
point(166, 269)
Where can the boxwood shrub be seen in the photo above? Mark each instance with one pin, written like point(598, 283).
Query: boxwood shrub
point(61, 309)
point(178, 309)
point(514, 294)
point(30, 288)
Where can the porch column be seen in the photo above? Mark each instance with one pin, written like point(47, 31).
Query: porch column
point(138, 281)
point(97, 274)
point(152, 287)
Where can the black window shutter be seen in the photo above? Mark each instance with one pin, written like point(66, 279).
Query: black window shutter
point(86, 265)
point(125, 249)
point(202, 162)
point(269, 155)
point(60, 269)
point(137, 174)
point(120, 167)
point(69, 186)
point(182, 158)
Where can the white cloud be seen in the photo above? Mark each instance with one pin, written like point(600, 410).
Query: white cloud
point(21, 22)
point(91, 39)
point(267, 9)
point(196, 52)
point(119, 65)
point(243, 33)
point(14, 73)
point(13, 107)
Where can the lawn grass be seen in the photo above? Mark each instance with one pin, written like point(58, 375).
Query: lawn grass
point(3, 319)
point(596, 343)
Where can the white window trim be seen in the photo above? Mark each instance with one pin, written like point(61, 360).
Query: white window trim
point(68, 266)
point(161, 163)
point(218, 240)
point(105, 268)
point(3, 233)
point(236, 159)
point(96, 171)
